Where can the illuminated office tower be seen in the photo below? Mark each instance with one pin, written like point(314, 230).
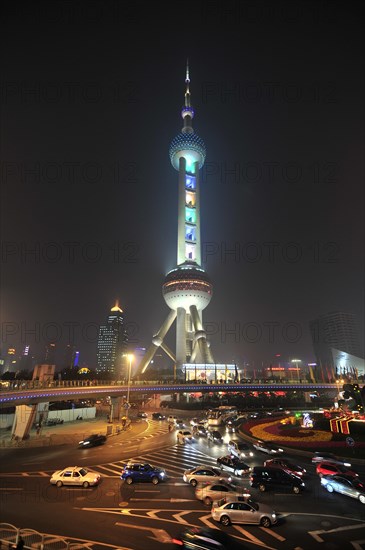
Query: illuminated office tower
point(187, 289)
point(112, 342)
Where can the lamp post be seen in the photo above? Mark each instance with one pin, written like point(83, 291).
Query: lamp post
point(297, 361)
point(130, 359)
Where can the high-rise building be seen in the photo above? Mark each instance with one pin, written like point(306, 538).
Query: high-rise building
point(26, 360)
point(112, 342)
point(334, 330)
point(187, 289)
point(50, 354)
point(69, 356)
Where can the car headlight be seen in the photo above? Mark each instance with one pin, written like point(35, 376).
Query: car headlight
point(162, 474)
point(347, 464)
point(81, 442)
point(273, 515)
point(303, 484)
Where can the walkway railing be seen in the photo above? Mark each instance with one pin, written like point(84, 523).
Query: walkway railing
point(10, 536)
point(13, 385)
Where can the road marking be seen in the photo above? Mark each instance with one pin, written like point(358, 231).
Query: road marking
point(152, 514)
point(163, 500)
point(159, 534)
point(358, 544)
point(251, 537)
point(205, 520)
point(179, 518)
point(315, 534)
point(272, 533)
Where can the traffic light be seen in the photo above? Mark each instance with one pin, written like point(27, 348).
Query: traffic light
point(353, 391)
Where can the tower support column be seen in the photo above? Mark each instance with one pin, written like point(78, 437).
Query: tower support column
point(180, 337)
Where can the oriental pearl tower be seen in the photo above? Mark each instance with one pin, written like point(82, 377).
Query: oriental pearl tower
point(187, 289)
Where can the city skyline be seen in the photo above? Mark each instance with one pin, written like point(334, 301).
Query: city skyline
point(89, 196)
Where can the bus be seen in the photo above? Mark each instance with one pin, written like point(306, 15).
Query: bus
point(217, 416)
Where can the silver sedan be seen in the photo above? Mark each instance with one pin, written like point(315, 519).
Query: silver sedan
point(202, 474)
point(346, 485)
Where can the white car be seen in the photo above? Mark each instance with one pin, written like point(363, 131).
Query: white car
point(184, 436)
point(75, 475)
point(239, 449)
point(246, 512)
point(267, 447)
point(202, 474)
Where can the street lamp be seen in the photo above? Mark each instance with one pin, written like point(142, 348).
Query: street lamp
point(130, 357)
point(297, 361)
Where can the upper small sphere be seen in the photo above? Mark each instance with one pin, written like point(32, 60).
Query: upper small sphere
point(191, 147)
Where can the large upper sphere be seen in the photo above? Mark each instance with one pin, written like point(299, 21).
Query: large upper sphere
point(191, 147)
point(186, 286)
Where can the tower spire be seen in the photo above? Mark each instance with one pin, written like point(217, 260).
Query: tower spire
point(187, 82)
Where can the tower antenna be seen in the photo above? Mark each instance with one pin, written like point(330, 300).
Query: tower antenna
point(187, 82)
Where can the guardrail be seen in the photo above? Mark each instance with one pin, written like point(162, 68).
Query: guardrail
point(12, 537)
point(37, 384)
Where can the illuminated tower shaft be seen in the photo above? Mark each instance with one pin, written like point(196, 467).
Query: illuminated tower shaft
point(187, 289)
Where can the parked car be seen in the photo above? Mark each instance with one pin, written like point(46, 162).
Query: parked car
point(233, 465)
point(331, 469)
point(75, 475)
point(265, 478)
point(93, 440)
point(243, 512)
point(286, 465)
point(204, 538)
point(203, 473)
point(184, 436)
point(137, 471)
point(267, 447)
point(210, 492)
point(239, 449)
point(215, 437)
point(142, 414)
point(346, 485)
point(158, 416)
point(319, 456)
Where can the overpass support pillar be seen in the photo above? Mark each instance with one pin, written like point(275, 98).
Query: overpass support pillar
point(23, 420)
point(116, 408)
point(307, 397)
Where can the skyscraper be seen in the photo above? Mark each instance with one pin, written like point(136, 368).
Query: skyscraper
point(112, 343)
point(50, 354)
point(187, 289)
point(334, 330)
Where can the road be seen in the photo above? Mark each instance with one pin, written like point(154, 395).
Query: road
point(139, 514)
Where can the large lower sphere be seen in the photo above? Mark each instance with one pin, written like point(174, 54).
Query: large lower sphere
point(184, 287)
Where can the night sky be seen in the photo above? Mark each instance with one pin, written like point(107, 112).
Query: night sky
point(91, 94)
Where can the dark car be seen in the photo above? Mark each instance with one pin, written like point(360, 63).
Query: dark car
point(93, 441)
point(137, 471)
point(204, 538)
point(234, 465)
point(158, 416)
point(266, 478)
point(200, 431)
point(215, 436)
point(287, 465)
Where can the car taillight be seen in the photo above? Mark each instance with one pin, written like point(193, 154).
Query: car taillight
point(177, 541)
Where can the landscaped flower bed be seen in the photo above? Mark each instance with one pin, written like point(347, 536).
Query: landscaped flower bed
point(295, 436)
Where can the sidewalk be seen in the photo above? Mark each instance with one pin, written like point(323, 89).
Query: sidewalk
point(72, 432)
